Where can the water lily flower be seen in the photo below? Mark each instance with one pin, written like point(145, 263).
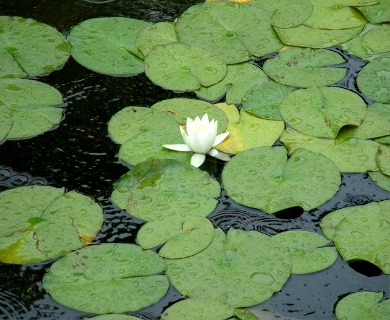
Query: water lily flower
point(200, 137)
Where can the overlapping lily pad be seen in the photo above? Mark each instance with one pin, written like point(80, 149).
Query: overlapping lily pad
point(380, 179)
point(30, 48)
point(322, 112)
point(361, 233)
point(363, 305)
point(163, 188)
point(107, 278)
point(264, 178)
point(374, 79)
point(28, 108)
point(108, 45)
point(247, 131)
point(242, 268)
point(305, 67)
point(113, 316)
point(378, 12)
point(41, 223)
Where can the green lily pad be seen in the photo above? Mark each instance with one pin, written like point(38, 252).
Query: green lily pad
point(349, 154)
point(108, 45)
point(247, 131)
point(34, 107)
point(377, 13)
point(6, 121)
point(383, 159)
point(374, 79)
point(245, 314)
point(239, 78)
point(380, 179)
point(30, 48)
point(265, 179)
point(363, 305)
point(305, 36)
point(163, 188)
point(41, 223)
point(156, 34)
point(219, 27)
point(241, 269)
point(308, 250)
point(322, 112)
point(305, 67)
point(198, 309)
point(263, 100)
point(182, 67)
point(182, 236)
point(361, 233)
point(113, 317)
point(383, 140)
point(107, 278)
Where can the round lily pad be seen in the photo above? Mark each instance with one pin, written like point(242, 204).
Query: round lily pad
point(241, 269)
point(363, 305)
point(182, 236)
point(383, 159)
point(264, 178)
point(380, 179)
point(239, 78)
point(263, 100)
point(107, 278)
point(182, 67)
point(247, 131)
point(33, 105)
point(309, 251)
point(288, 14)
point(30, 48)
point(113, 317)
point(361, 233)
point(378, 12)
point(162, 188)
point(108, 45)
point(305, 67)
point(6, 121)
point(41, 223)
point(322, 112)
point(374, 79)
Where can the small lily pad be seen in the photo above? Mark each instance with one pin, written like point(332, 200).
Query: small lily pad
point(363, 305)
point(308, 250)
point(239, 78)
point(361, 233)
point(108, 45)
point(383, 159)
point(41, 223)
point(107, 278)
point(322, 112)
point(34, 107)
point(274, 183)
point(305, 67)
point(113, 317)
point(182, 236)
point(247, 131)
point(380, 179)
point(374, 79)
point(182, 67)
point(162, 188)
point(30, 48)
point(378, 12)
point(263, 100)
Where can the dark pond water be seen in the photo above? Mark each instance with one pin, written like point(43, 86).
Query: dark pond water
point(79, 155)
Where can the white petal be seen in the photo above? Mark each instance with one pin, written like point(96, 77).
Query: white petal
point(197, 159)
point(219, 138)
point(177, 147)
point(205, 119)
point(219, 155)
point(202, 141)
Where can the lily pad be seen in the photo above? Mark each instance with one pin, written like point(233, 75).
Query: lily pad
point(107, 278)
point(6, 121)
point(182, 236)
point(377, 13)
point(33, 105)
point(241, 269)
point(113, 317)
point(264, 178)
point(374, 79)
point(349, 154)
point(162, 188)
point(309, 250)
point(239, 78)
point(30, 48)
point(41, 223)
point(322, 112)
point(108, 45)
point(305, 67)
point(363, 305)
point(380, 179)
point(383, 159)
point(219, 27)
point(247, 131)
point(361, 233)
point(263, 100)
